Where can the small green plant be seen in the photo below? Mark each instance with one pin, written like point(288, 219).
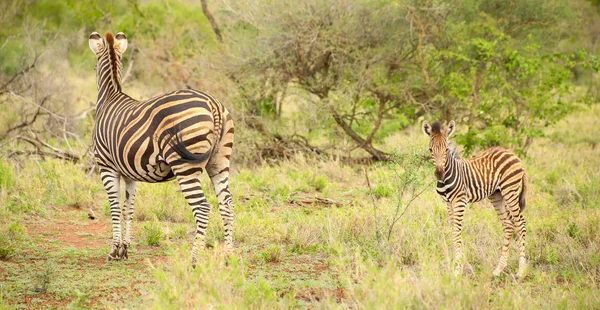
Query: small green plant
point(573, 230)
point(318, 182)
point(152, 233)
point(79, 300)
point(272, 254)
point(179, 232)
point(6, 177)
point(44, 277)
point(7, 249)
point(381, 191)
point(10, 235)
point(552, 256)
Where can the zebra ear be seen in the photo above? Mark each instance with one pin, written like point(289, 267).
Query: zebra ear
point(120, 43)
point(450, 128)
point(426, 129)
point(96, 43)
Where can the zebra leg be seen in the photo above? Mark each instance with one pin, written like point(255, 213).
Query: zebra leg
point(130, 189)
point(110, 179)
point(192, 191)
point(512, 202)
point(458, 210)
point(220, 181)
point(519, 224)
point(500, 206)
point(449, 207)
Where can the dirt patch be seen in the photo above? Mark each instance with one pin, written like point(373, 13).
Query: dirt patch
point(78, 235)
point(91, 261)
point(44, 301)
point(320, 294)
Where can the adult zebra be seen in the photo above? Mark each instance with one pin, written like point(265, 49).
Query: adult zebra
point(175, 135)
point(496, 174)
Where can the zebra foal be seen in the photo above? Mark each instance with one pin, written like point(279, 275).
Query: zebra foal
point(177, 135)
point(497, 174)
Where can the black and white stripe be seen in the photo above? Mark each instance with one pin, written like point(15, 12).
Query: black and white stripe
point(496, 174)
point(176, 135)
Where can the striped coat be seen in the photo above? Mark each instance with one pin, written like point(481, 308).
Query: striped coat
point(178, 135)
point(496, 174)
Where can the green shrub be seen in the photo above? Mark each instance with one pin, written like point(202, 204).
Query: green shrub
point(153, 233)
point(10, 235)
point(272, 254)
point(382, 190)
point(318, 182)
point(179, 232)
point(6, 176)
point(7, 248)
point(213, 284)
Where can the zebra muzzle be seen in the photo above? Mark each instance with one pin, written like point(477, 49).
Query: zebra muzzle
point(439, 174)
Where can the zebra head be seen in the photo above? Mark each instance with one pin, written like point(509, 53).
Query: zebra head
point(438, 145)
point(108, 51)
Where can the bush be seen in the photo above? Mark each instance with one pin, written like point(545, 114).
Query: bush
point(10, 235)
point(6, 176)
point(272, 254)
point(381, 191)
point(318, 182)
point(153, 233)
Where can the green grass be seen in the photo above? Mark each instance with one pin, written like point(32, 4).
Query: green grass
point(152, 233)
point(297, 255)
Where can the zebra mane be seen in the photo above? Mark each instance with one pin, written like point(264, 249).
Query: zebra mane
point(112, 58)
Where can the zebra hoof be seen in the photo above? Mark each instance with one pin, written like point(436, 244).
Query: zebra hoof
point(114, 254)
point(122, 254)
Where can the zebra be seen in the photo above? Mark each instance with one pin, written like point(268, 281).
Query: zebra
point(177, 135)
point(496, 174)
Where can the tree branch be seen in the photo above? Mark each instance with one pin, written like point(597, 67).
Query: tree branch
point(23, 71)
point(27, 123)
point(40, 147)
point(377, 154)
point(211, 19)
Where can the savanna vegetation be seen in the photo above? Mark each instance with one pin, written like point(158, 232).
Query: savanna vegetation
point(334, 189)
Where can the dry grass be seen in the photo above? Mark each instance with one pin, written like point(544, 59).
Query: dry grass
point(322, 256)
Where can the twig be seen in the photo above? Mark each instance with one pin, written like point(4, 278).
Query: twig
point(27, 123)
point(23, 71)
point(377, 232)
point(131, 59)
point(313, 200)
point(39, 145)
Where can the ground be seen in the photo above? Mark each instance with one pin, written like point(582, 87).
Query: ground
point(310, 233)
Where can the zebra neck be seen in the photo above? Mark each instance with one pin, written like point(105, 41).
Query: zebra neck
point(105, 100)
point(108, 79)
point(452, 164)
point(107, 91)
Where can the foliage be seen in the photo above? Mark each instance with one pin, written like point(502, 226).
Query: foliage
point(153, 233)
point(337, 78)
point(10, 236)
point(6, 176)
point(316, 256)
point(506, 90)
point(213, 283)
point(496, 66)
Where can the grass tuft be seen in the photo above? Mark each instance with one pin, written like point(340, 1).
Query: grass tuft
point(153, 233)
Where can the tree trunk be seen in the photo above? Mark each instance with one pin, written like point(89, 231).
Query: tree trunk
point(212, 21)
point(362, 143)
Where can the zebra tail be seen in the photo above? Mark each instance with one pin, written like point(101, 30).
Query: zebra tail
point(176, 143)
point(523, 192)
